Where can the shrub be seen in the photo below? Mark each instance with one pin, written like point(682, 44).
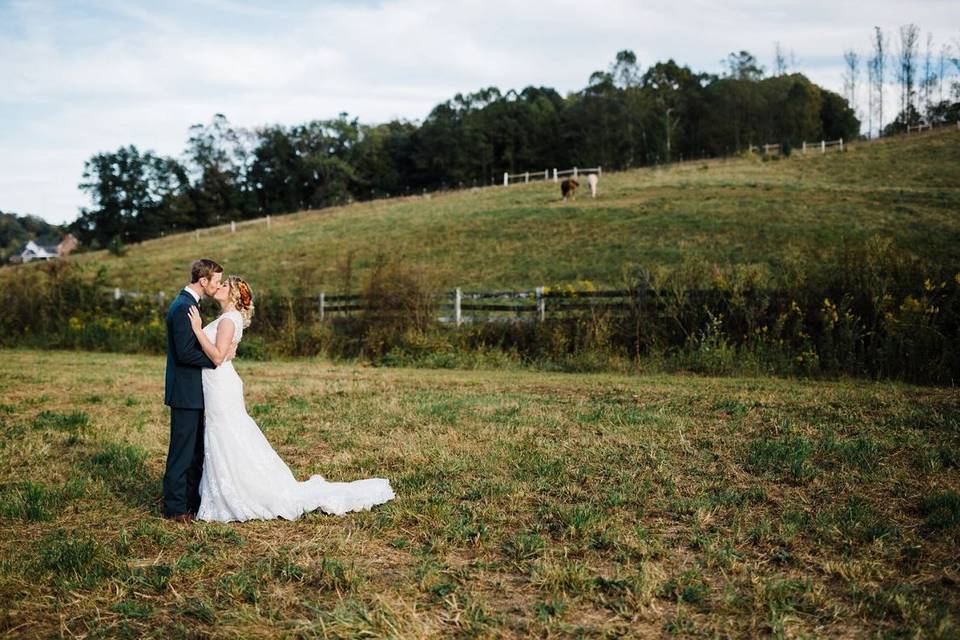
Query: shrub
point(398, 300)
point(879, 311)
point(116, 246)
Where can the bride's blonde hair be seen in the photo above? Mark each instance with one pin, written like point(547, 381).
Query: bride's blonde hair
point(242, 298)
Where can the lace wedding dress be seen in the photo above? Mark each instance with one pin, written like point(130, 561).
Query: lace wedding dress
point(243, 477)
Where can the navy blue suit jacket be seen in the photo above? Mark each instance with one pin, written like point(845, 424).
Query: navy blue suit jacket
point(185, 357)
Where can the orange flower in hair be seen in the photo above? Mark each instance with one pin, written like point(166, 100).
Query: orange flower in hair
point(241, 297)
point(245, 297)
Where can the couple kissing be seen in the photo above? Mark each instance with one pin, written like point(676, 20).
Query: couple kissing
point(220, 467)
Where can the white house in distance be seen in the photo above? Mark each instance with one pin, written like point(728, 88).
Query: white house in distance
point(34, 251)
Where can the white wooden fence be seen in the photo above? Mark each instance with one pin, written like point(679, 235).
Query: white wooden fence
point(767, 148)
point(233, 225)
point(117, 294)
point(823, 145)
point(492, 306)
point(920, 127)
point(515, 303)
point(545, 174)
point(525, 176)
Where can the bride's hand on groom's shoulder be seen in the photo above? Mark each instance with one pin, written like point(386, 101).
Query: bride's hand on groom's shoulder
point(195, 321)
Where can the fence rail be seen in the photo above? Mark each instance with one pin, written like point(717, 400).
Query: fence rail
point(233, 225)
point(526, 175)
point(823, 145)
point(925, 125)
point(545, 174)
point(518, 304)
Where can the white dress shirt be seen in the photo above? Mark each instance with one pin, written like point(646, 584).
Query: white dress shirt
point(193, 293)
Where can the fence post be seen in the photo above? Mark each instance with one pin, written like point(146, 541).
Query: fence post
point(555, 169)
point(841, 144)
point(823, 146)
point(546, 174)
point(574, 172)
point(541, 304)
point(197, 235)
point(599, 171)
point(640, 292)
point(116, 293)
point(804, 148)
point(321, 303)
point(506, 178)
point(526, 176)
point(268, 222)
point(457, 295)
point(233, 227)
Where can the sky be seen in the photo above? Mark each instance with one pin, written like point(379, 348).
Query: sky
point(79, 78)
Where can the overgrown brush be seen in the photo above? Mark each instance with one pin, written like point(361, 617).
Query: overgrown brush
point(880, 312)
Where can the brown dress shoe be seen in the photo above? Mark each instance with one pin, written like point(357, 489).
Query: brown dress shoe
point(183, 517)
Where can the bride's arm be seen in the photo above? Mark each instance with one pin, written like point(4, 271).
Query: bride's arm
point(219, 352)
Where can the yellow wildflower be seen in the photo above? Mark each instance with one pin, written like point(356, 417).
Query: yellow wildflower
point(911, 305)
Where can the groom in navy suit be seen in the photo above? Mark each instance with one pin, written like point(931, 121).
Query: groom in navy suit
point(184, 395)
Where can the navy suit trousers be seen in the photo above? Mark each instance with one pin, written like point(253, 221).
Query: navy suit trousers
point(181, 481)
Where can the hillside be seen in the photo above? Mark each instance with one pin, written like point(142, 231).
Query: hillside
point(728, 212)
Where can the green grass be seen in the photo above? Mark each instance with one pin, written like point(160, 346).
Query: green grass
point(766, 216)
point(528, 504)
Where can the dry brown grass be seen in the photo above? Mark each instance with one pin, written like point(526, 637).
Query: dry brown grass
point(528, 504)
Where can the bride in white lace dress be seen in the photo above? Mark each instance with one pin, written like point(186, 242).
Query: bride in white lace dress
point(243, 477)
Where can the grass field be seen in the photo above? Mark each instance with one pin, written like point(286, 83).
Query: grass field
point(762, 215)
point(529, 504)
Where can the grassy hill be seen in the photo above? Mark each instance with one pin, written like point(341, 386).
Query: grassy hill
point(727, 212)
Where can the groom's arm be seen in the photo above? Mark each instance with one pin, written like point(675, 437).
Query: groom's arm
point(185, 344)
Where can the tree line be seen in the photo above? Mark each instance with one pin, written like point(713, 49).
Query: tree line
point(624, 117)
point(16, 230)
point(922, 77)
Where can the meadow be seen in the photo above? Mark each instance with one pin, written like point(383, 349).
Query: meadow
point(529, 504)
point(766, 216)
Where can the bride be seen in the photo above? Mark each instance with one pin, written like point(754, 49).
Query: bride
point(243, 477)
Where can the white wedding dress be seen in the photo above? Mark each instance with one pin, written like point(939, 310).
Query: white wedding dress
point(243, 477)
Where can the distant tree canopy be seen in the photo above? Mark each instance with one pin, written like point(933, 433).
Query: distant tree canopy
point(624, 117)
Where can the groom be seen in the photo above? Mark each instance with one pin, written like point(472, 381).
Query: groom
point(184, 395)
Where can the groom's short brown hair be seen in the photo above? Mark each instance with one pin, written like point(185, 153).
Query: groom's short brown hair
point(203, 268)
